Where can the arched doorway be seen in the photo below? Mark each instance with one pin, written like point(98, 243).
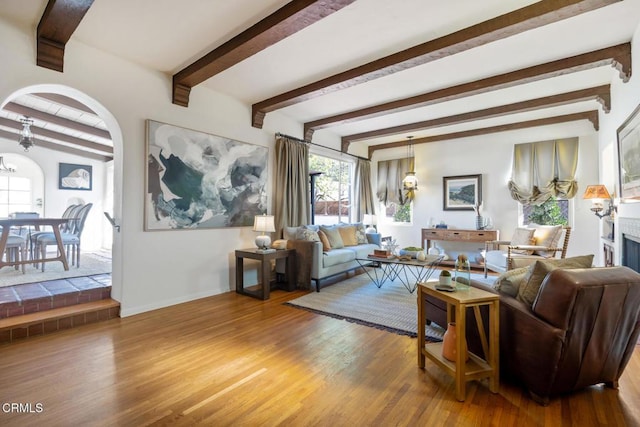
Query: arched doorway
point(110, 179)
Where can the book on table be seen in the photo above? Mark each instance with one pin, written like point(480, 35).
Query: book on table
point(386, 256)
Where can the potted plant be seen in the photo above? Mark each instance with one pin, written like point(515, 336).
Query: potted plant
point(445, 277)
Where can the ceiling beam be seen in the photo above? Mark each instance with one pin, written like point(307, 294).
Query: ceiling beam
point(533, 16)
point(286, 21)
point(592, 116)
point(50, 118)
point(58, 22)
point(56, 98)
point(601, 94)
point(617, 56)
point(38, 131)
point(39, 143)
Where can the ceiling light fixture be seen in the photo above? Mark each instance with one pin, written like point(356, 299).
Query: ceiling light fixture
point(4, 167)
point(410, 182)
point(26, 137)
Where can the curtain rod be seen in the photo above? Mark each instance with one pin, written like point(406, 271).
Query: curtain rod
point(318, 145)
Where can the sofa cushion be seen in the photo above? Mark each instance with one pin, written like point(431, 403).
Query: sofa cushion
point(361, 235)
point(290, 233)
point(531, 283)
point(337, 256)
point(326, 246)
point(335, 240)
point(307, 233)
point(363, 251)
point(522, 236)
point(509, 282)
point(348, 235)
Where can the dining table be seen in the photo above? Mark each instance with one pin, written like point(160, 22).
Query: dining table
point(36, 223)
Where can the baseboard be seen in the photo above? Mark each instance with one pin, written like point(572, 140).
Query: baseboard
point(126, 311)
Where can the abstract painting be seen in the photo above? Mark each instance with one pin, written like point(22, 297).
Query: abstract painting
point(629, 156)
point(75, 177)
point(461, 193)
point(197, 180)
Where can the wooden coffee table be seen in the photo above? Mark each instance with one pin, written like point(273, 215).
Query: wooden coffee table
point(457, 302)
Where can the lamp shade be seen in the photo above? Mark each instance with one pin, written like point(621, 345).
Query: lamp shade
point(264, 224)
point(596, 192)
point(369, 219)
point(410, 182)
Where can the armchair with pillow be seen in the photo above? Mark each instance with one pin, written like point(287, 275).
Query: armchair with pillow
point(527, 245)
point(563, 325)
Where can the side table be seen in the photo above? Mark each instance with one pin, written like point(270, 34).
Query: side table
point(457, 302)
point(265, 271)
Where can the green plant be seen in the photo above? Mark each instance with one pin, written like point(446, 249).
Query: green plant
point(445, 273)
point(412, 248)
point(403, 214)
point(548, 213)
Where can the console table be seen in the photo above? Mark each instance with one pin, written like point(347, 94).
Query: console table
point(455, 235)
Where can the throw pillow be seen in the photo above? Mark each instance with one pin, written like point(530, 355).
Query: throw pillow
point(522, 236)
point(509, 282)
point(306, 233)
point(530, 285)
point(361, 235)
point(289, 233)
point(279, 244)
point(335, 240)
point(547, 236)
point(348, 235)
point(326, 246)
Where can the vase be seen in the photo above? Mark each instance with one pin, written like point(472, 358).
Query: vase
point(449, 339)
point(480, 222)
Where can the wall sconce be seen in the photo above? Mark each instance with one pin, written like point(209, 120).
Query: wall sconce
point(597, 193)
point(264, 224)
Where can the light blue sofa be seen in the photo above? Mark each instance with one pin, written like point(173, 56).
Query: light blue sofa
point(325, 264)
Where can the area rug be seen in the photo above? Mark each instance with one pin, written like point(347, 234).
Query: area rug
point(90, 264)
point(358, 300)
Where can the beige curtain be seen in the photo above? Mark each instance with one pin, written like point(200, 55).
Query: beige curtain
point(390, 176)
point(544, 169)
point(364, 190)
point(292, 203)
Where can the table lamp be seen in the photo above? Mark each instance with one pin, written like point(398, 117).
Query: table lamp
point(264, 224)
point(370, 220)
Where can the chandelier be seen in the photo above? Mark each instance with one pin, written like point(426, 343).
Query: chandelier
point(26, 137)
point(410, 182)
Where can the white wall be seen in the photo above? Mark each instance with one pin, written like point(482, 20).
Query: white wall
point(625, 97)
point(151, 269)
point(491, 156)
point(45, 163)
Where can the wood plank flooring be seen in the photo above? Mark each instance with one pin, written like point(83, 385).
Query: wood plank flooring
point(234, 360)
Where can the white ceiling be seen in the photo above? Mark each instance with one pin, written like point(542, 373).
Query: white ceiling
point(167, 35)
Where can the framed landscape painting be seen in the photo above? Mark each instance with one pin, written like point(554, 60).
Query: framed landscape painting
point(196, 180)
point(629, 156)
point(461, 193)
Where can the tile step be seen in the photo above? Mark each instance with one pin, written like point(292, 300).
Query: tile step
point(45, 322)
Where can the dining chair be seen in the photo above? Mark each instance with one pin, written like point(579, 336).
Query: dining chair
point(70, 236)
point(69, 212)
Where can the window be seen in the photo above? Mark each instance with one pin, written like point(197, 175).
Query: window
point(397, 213)
point(332, 198)
point(552, 212)
point(15, 194)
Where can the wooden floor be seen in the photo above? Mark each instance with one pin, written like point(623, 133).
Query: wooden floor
point(234, 360)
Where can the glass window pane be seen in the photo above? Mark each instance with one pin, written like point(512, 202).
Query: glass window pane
point(4, 211)
point(552, 212)
point(20, 197)
point(4, 182)
point(20, 183)
point(4, 197)
point(332, 198)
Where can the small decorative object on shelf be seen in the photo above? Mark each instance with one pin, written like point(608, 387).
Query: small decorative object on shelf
point(421, 256)
point(449, 343)
point(462, 272)
point(445, 278)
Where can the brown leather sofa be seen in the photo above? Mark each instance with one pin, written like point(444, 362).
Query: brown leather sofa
point(581, 330)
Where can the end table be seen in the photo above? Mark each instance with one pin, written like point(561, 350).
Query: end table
point(265, 269)
point(457, 302)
